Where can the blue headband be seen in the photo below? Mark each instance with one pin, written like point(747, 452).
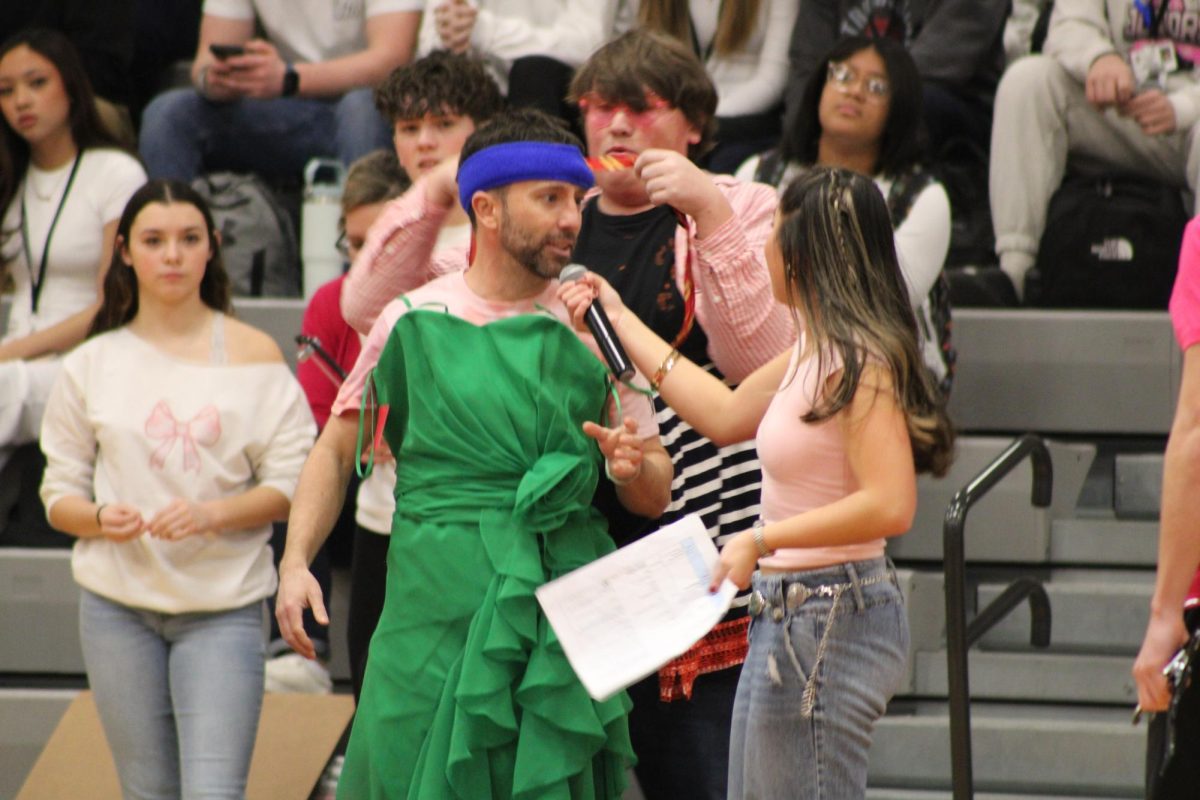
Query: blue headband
point(502, 164)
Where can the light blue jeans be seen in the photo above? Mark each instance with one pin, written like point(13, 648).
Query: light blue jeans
point(184, 135)
point(819, 673)
point(178, 695)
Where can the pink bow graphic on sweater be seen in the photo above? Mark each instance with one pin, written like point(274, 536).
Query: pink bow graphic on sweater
point(203, 429)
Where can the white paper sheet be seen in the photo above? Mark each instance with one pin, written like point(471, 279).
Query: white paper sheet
point(622, 617)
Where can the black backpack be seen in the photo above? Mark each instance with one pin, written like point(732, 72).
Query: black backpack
point(1110, 242)
point(904, 192)
point(258, 238)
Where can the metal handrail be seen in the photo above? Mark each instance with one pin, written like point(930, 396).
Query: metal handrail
point(960, 636)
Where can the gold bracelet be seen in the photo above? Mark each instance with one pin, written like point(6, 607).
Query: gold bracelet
point(100, 508)
point(666, 366)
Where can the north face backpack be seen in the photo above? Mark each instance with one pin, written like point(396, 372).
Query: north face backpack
point(258, 238)
point(1110, 242)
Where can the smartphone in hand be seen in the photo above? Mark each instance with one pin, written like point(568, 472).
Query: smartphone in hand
point(224, 51)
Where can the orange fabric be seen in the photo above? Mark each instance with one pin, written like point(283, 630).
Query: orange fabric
point(723, 647)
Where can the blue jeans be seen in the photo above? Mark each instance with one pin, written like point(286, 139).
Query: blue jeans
point(184, 135)
point(819, 673)
point(178, 695)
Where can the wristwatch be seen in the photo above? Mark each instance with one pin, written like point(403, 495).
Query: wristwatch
point(291, 81)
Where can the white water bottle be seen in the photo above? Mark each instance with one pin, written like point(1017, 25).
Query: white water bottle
point(324, 180)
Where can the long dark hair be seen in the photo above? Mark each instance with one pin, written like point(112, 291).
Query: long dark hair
point(120, 302)
point(87, 130)
point(903, 143)
point(843, 278)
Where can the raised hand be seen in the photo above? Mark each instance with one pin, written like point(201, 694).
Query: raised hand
point(622, 449)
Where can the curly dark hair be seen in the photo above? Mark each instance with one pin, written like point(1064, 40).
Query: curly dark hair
point(441, 82)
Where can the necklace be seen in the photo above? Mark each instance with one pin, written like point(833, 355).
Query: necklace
point(45, 193)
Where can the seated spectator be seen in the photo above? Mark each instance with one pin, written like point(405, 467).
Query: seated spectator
point(958, 46)
point(103, 35)
point(173, 437)
point(1104, 90)
point(328, 353)
point(434, 104)
point(63, 183)
point(744, 49)
point(862, 111)
point(302, 92)
point(531, 47)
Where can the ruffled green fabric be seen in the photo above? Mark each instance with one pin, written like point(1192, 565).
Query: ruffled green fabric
point(467, 692)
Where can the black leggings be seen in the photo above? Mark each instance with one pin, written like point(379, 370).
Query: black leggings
point(368, 580)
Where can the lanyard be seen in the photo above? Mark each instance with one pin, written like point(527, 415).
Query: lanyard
point(705, 52)
point(35, 284)
point(1153, 17)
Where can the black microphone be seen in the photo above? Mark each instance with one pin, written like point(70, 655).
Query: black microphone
point(601, 328)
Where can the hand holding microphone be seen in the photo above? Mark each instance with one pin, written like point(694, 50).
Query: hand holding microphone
point(583, 304)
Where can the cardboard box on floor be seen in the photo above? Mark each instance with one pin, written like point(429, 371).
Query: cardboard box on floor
point(296, 737)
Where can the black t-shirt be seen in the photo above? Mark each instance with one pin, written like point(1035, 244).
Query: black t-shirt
point(636, 254)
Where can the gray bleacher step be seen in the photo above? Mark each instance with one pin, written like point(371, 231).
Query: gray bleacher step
point(1034, 676)
point(1104, 541)
point(27, 718)
point(877, 793)
point(1002, 526)
point(1064, 371)
point(39, 629)
point(1137, 485)
point(1017, 749)
point(1091, 611)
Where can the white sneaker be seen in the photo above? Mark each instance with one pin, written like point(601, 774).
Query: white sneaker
point(295, 673)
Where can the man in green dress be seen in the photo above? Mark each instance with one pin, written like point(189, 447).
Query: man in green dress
point(493, 407)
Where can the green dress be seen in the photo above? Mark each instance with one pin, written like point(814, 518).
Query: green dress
point(467, 693)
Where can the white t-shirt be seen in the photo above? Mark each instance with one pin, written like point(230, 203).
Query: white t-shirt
point(311, 31)
point(127, 422)
point(103, 184)
point(505, 30)
point(751, 80)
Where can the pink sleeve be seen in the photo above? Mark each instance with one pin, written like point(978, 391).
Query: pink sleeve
point(397, 257)
point(1185, 297)
point(637, 405)
point(349, 397)
point(735, 304)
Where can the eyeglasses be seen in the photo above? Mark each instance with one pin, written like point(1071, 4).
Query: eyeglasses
point(601, 112)
point(844, 76)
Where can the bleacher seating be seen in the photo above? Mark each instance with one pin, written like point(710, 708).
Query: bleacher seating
point(1054, 722)
point(1047, 723)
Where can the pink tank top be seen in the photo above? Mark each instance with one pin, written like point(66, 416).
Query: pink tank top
point(804, 465)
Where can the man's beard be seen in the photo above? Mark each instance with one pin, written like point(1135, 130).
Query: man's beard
point(531, 253)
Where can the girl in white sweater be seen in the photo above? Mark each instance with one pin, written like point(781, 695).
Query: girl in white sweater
point(173, 437)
